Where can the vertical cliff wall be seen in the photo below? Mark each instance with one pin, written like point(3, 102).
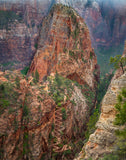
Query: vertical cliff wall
point(19, 31)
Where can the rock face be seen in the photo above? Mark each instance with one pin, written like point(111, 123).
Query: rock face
point(102, 141)
point(43, 120)
point(25, 119)
point(105, 20)
point(64, 46)
point(19, 31)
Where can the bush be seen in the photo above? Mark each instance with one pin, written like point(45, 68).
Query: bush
point(17, 81)
point(64, 115)
point(25, 70)
point(36, 77)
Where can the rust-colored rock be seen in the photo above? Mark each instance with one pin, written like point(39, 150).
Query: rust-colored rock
point(41, 119)
point(65, 46)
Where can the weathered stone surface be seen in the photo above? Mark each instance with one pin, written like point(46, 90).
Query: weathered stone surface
point(105, 19)
point(19, 36)
point(102, 140)
point(64, 46)
point(26, 124)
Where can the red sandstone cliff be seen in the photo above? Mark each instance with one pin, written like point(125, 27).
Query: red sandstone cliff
point(65, 46)
point(106, 20)
point(44, 119)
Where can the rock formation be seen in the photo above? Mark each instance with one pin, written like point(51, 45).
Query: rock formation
point(64, 46)
point(105, 20)
point(102, 141)
point(43, 115)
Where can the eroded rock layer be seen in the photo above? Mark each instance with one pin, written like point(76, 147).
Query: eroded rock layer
point(45, 113)
point(19, 32)
point(65, 46)
point(102, 141)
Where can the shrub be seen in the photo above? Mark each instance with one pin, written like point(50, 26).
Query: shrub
point(25, 70)
point(118, 62)
point(25, 111)
point(36, 45)
point(36, 77)
point(67, 152)
point(91, 55)
point(17, 81)
point(64, 115)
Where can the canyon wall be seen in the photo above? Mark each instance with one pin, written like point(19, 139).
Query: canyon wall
point(44, 114)
point(19, 32)
point(20, 23)
point(106, 20)
point(102, 141)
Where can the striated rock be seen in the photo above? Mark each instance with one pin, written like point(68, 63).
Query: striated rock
point(64, 46)
point(43, 119)
point(105, 20)
point(19, 32)
point(101, 142)
point(29, 115)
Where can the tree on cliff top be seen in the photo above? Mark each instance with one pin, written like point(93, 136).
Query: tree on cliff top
point(118, 61)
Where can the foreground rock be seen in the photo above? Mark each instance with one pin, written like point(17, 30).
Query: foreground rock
point(103, 140)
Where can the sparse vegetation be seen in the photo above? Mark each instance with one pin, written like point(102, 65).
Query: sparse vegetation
point(59, 88)
point(120, 120)
point(17, 81)
point(36, 77)
point(118, 61)
point(102, 88)
point(25, 70)
point(8, 96)
point(64, 115)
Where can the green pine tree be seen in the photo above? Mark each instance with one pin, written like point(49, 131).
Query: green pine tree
point(118, 61)
point(121, 121)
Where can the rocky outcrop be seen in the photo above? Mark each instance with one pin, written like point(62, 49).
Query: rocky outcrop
point(26, 118)
point(35, 122)
point(102, 141)
point(64, 46)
